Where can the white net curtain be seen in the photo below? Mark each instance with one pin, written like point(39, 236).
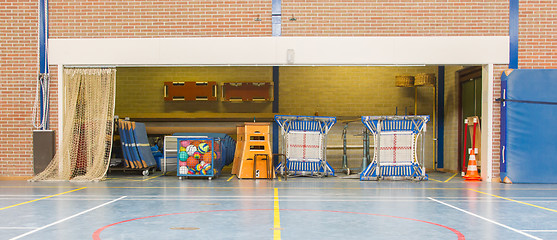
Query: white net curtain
point(87, 126)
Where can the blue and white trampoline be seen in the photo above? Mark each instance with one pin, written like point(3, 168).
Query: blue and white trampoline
point(395, 146)
point(304, 141)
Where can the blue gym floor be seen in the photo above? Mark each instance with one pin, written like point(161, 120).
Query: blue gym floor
point(128, 206)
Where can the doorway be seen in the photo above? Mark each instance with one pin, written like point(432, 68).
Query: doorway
point(469, 81)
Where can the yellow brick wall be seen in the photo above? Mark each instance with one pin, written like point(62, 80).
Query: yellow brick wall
point(140, 90)
point(350, 92)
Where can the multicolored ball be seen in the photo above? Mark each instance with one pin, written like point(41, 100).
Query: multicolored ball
point(191, 162)
point(207, 167)
point(183, 156)
point(203, 172)
point(207, 157)
point(203, 148)
point(191, 171)
point(197, 155)
point(198, 167)
point(191, 149)
point(185, 143)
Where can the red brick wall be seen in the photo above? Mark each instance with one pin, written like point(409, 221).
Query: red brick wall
point(18, 72)
point(496, 147)
point(395, 18)
point(161, 18)
point(537, 34)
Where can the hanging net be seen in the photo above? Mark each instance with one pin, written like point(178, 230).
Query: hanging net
point(87, 128)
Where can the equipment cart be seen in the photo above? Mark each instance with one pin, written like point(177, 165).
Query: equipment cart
point(199, 156)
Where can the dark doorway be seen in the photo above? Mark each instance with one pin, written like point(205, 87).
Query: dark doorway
point(469, 82)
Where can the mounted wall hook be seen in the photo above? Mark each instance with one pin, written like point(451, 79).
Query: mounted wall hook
point(292, 18)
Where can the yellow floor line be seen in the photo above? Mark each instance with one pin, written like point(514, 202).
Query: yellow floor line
point(516, 201)
point(434, 180)
point(230, 178)
point(19, 204)
point(450, 178)
point(151, 178)
point(276, 226)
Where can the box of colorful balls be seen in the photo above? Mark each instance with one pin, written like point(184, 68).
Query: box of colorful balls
point(199, 157)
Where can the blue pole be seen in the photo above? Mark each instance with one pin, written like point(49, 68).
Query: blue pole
point(440, 115)
point(513, 34)
point(275, 109)
point(276, 18)
point(43, 60)
point(276, 27)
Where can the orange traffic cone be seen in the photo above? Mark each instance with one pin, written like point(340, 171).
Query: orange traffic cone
point(472, 169)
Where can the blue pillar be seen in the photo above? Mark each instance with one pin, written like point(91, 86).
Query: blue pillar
point(275, 109)
point(43, 62)
point(440, 116)
point(513, 34)
point(276, 18)
point(276, 21)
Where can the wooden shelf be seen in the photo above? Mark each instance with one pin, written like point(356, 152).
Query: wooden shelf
point(199, 117)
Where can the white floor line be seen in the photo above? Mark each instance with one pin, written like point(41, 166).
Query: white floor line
point(65, 219)
point(16, 228)
point(486, 219)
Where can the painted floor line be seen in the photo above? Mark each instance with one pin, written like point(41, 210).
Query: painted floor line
point(283, 200)
point(230, 178)
point(435, 180)
point(451, 177)
point(485, 219)
point(290, 181)
point(151, 178)
point(16, 228)
point(65, 219)
point(34, 200)
point(546, 231)
point(276, 214)
point(516, 201)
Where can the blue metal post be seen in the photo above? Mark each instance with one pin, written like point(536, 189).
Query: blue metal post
point(276, 18)
point(43, 58)
point(440, 115)
point(275, 109)
point(276, 24)
point(513, 34)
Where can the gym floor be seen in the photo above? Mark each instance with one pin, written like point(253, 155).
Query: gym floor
point(129, 206)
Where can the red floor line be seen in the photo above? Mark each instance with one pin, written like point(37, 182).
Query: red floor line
point(97, 233)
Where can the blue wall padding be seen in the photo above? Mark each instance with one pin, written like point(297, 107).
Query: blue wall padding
point(528, 126)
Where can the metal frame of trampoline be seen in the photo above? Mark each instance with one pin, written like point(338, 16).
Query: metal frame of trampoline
point(413, 125)
point(306, 124)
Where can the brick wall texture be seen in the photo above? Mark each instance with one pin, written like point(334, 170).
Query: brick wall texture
point(18, 68)
point(248, 18)
point(537, 34)
point(395, 18)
